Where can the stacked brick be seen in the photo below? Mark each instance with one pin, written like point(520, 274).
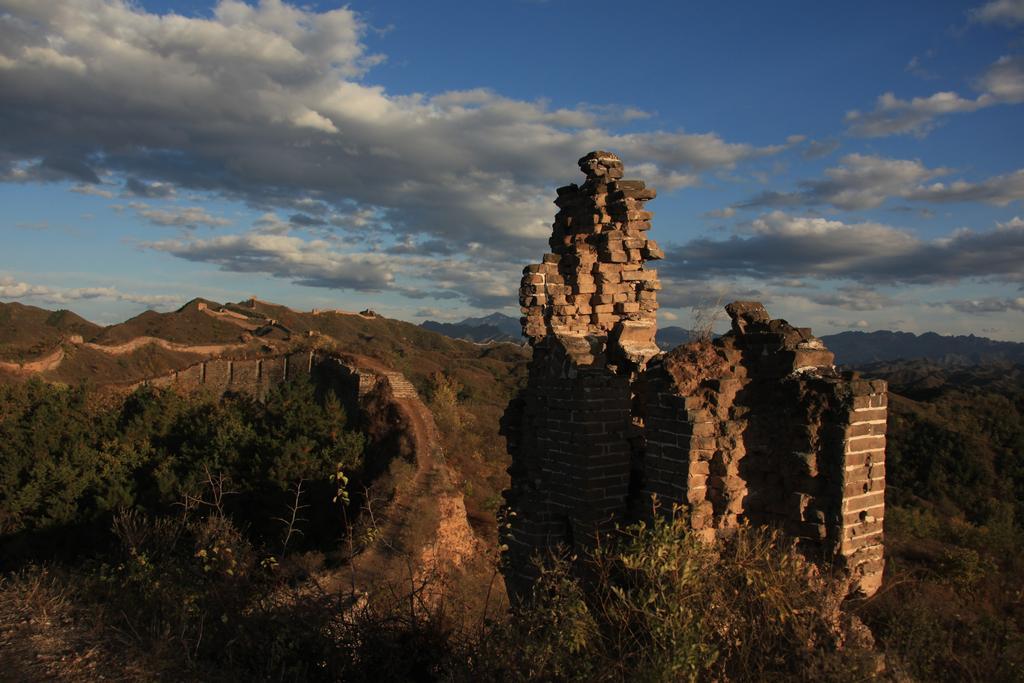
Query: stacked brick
point(754, 427)
point(758, 427)
point(863, 483)
point(572, 476)
point(692, 428)
point(594, 277)
point(588, 306)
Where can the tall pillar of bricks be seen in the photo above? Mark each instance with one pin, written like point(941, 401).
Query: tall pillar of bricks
point(589, 314)
point(594, 282)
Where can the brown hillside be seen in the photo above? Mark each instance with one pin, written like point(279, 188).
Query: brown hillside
point(295, 321)
point(187, 325)
point(83, 364)
point(402, 346)
point(27, 332)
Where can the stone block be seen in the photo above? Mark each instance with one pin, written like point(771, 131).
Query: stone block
point(245, 375)
point(218, 375)
point(860, 444)
point(190, 378)
point(867, 415)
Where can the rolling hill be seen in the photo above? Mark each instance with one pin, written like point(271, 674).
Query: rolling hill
point(857, 348)
point(28, 331)
point(496, 327)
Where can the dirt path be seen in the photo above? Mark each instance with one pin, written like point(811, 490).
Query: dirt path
point(138, 342)
point(424, 527)
point(50, 361)
point(234, 318)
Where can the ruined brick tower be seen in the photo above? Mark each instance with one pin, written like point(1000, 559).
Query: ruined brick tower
point(754, 427)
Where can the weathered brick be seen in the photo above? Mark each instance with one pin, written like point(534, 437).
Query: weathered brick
point(748, 414)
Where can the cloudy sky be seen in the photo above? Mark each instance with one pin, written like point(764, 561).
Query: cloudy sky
point(853, 165)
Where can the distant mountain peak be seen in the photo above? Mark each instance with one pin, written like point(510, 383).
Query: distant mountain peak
point(494, 327)
point(860, 348)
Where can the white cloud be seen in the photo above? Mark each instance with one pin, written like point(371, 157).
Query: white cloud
point(727, 212)
point(181, 217)
point(893, 116)
point(1006, 12)
point(865, 182)
point(11, 288)
point(999, 190)
point(270, 103)
point(93, 191)
point(155, 190)
point(417, 272)
point(853, 298)
point(1002, 83)
point(312, 263)
point(1004, 80)
point(986, 305)
point(778, 245)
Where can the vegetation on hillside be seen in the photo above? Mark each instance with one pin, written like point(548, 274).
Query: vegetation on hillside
point(189, 596)
point(68, 461)
point(951, 607)
point(113, 514)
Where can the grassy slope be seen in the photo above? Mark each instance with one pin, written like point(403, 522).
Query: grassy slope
point(187, 325)
point(954, 539)
point(27, 332)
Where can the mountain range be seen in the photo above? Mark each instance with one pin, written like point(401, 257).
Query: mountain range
point(27, 332)
point(498, 327)
point(852, 348)
point(860, 348)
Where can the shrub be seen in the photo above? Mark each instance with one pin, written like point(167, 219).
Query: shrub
point(658, 604)
point(67, 460)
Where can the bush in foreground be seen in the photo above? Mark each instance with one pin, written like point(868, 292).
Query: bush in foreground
point(191, 598)
point(657, 604)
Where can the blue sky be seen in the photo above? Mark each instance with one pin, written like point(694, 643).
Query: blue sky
point(852, 165)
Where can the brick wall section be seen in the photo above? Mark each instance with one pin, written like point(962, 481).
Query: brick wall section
point(245, 376)
point(759, 427)
point(400, 386)
point(754, 427)
point(573, 476)
point(863, 483)
point(257, 376)
point(273, 371)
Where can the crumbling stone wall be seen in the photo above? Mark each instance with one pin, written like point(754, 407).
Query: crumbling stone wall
point(256, 376)
point(370, 397)
point(754, 427)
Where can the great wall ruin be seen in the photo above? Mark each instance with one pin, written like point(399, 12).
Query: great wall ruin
point(756, 426)
point(256, 376)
